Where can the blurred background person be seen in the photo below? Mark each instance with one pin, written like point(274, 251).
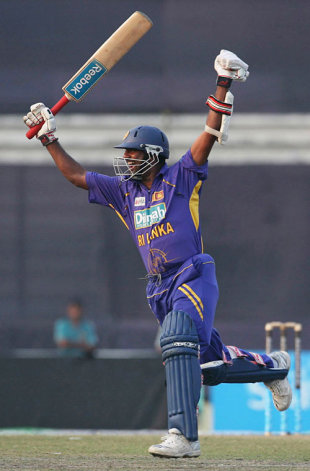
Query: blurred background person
point(75, 336)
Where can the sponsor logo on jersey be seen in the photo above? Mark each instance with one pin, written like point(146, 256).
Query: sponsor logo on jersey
point(149, 216)
point(158, 195)
point(86, 79)
point(140, 201)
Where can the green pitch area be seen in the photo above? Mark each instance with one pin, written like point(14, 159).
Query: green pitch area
point(129, 453)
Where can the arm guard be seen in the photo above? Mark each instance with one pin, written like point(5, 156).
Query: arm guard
point(222, 134)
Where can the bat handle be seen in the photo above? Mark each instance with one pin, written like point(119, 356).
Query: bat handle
point(59, 105)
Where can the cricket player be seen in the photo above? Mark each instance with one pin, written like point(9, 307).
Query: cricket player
point(159, 205)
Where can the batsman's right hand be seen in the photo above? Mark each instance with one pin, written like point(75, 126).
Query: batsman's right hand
point(38, 113)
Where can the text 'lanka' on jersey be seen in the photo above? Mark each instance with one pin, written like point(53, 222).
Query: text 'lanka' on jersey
point(163, 221)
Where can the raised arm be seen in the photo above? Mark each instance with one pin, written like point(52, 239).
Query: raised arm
point(201, 148)
point(71, 170)
point(228, 67)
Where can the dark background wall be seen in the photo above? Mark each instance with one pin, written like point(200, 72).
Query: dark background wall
point(43, 43)
point(54, 245)
point(89, 394)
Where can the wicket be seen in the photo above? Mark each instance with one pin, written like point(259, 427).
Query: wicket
point(283, 328)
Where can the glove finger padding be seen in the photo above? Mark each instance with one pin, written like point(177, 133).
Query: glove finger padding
point(30, 120)
point(37, 108)
point(230, 60)
point(34, 116)
point(228, 64)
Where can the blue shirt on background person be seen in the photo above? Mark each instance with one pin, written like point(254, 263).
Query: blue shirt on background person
point(75, 337)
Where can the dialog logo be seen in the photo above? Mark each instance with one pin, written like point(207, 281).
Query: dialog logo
point(149, 216)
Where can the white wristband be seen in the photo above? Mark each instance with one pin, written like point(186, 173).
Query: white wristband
point(216, 133)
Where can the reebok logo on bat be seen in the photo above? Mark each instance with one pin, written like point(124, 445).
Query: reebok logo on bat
point(86, 79)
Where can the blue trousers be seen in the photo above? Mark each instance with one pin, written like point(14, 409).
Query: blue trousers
point(193, 288)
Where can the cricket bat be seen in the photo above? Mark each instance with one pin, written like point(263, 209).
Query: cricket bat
point(108, 54)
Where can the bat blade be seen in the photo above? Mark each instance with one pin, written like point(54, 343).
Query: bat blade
point(108, 54)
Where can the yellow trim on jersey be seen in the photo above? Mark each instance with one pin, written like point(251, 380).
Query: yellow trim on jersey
point(182, 271)
point(190, 297)
point(119, 215)
point(194, 204)
point(204, 263)
point(194, 294)
point(168, 183)
point(156, 294)
point(127, 194)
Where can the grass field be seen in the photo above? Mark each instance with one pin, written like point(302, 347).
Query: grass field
point(129, 452)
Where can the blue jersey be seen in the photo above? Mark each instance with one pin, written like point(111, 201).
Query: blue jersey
point(164, 223)
point(163, 220)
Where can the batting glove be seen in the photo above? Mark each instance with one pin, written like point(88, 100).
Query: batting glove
point(230, 67)
point(38, 113)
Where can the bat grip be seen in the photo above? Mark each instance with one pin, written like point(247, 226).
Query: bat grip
point(57, 107)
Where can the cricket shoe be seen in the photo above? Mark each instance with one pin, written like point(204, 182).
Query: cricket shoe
point(280, 388)
point(175, 445)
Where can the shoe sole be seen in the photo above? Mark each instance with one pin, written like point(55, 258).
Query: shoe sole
point(290, 395)
point(157, 455)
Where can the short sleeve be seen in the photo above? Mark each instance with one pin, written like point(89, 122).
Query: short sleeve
point(187, 162)
point(104, 190)
point(60, 331)
point(91, 335)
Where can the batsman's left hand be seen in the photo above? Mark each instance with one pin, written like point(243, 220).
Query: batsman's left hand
point(227, 64)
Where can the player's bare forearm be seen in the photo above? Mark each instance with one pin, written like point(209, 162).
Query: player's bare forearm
point(71, 170)
point(204, 143)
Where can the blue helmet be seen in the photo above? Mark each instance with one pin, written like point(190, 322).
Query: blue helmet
point(152, 141)
point(139, 137)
